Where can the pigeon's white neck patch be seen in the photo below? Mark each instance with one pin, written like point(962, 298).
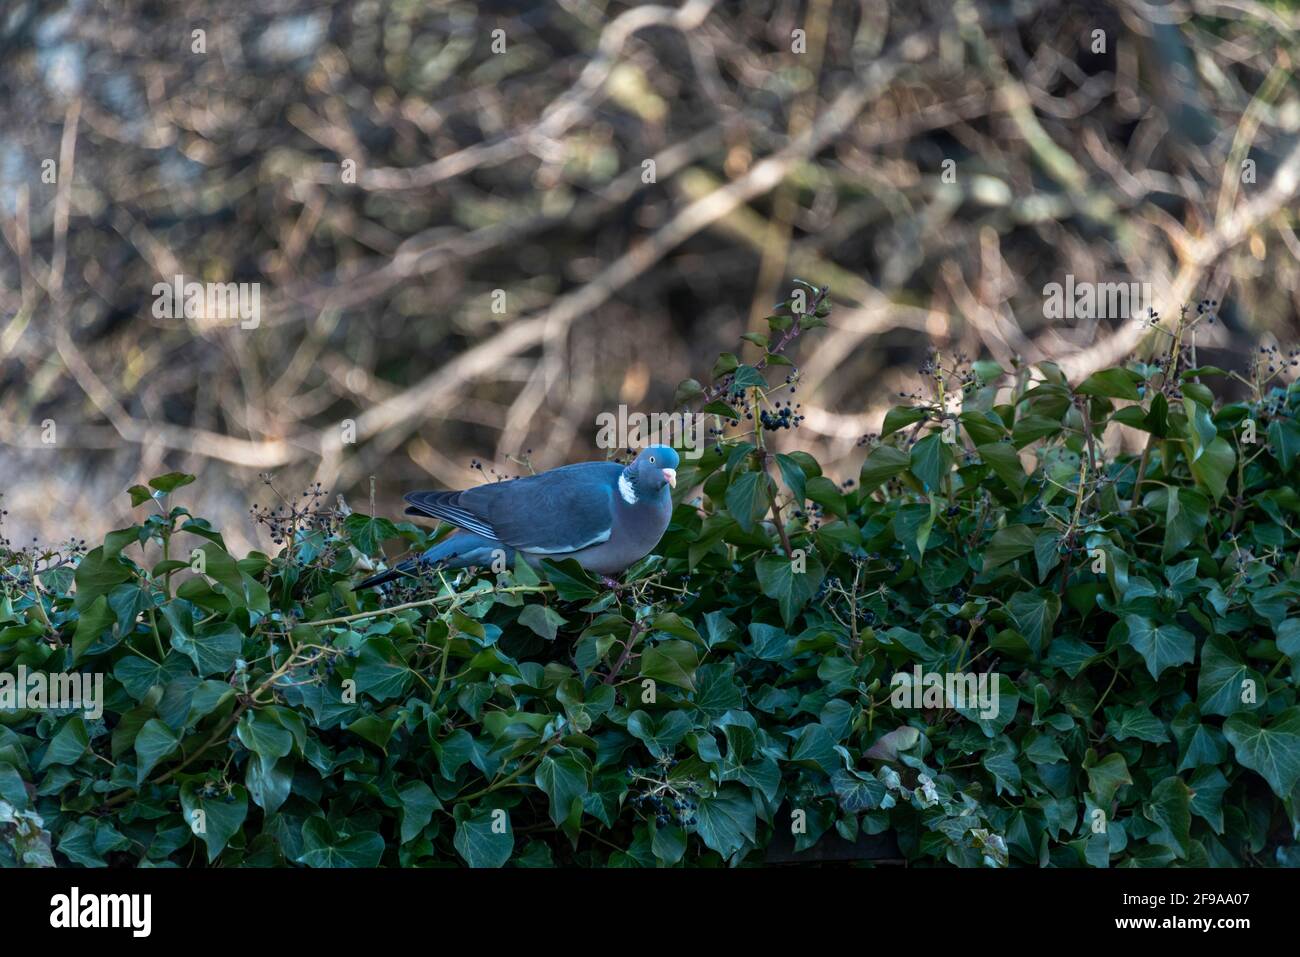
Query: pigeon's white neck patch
point(626, 490)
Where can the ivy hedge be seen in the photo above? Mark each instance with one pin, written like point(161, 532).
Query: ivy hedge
point(1135, 614)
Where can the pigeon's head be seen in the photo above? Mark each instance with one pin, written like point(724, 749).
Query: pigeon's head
point(655, 467)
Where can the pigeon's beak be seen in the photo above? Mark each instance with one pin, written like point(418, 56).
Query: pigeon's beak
point(670, 476)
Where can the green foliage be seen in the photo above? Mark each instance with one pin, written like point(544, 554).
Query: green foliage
point(1136, 615)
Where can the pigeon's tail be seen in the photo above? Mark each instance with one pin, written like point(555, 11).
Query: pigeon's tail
point(383, 578)
point(460, 549)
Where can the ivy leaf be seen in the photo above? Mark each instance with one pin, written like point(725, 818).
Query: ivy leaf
point(747, 498)
point(269, 783)
point(1139, 724)
point(571, 582)
point(661, 736)
point(263, 735)
point(68, 744)
point(1284, 440)
point(1223, 678)
point(96, 575)
point(483, 844)
point(221, 567)
point(171, 481)
point(781, 580)
point(214, 818)
point(1005, 463)
point(139, 495)
point(856, 791)
point(900, 417)
point(322, 846)
point(881, 465)
point(543, 620)
point(138, 675)
point(668, 844)
point(747, 377)
point(1106, 777)
point(1170, 809)
point(1111, 384)
point(155, 742)
point(564, 781)
point(1008, 544)
point(94, 621)
point(931, 460)
point(213, 647)
point(726, 821)
point(1272, 750)
point(368, 533)
point(793, 476)
point(826, 494)
point(1035, 613)
point(418, 805)
point(687, 391)
point(815, 746)
point(1186, 513)
point(1161, 646)
point(912, 527)
point(673, 662)
point(1214, 465)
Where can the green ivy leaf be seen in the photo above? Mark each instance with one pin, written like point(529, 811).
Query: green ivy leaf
point(1272, 750)
point(213, 647)
point(1284, 440)
point(1161, 646)
point(1035, 613)
point(881, 465)
point(323, 847)
point(171, 482)
point(727, 820)
point(931, 460)
point(94, 621)
point(481, 843)
point(659, 736)
point(672, 662)
point(418, 805)
point(1111, 384)
point(791, 583)
point(1223, 678)
point(155, 742)
point(748, 498)
point(564, 781)
point(68, 744)
point(1169, 808)
point(1008, 544)
point(900, 417)
point(1106, 777)
point(214, 818)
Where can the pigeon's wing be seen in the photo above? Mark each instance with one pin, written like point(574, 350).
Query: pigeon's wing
point(442, 506)
point(563, 510)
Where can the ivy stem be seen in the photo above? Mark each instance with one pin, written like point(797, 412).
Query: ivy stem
point(425, 602)
point(627, 653)
point(777, 520)
point(514, 775)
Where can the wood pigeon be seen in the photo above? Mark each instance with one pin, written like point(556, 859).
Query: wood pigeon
point(604, 515)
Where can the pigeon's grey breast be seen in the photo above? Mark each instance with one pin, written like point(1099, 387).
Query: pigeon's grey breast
point(636, 530)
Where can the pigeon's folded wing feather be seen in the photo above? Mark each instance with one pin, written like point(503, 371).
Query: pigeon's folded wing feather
point(563, 510)
point(442, 505)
